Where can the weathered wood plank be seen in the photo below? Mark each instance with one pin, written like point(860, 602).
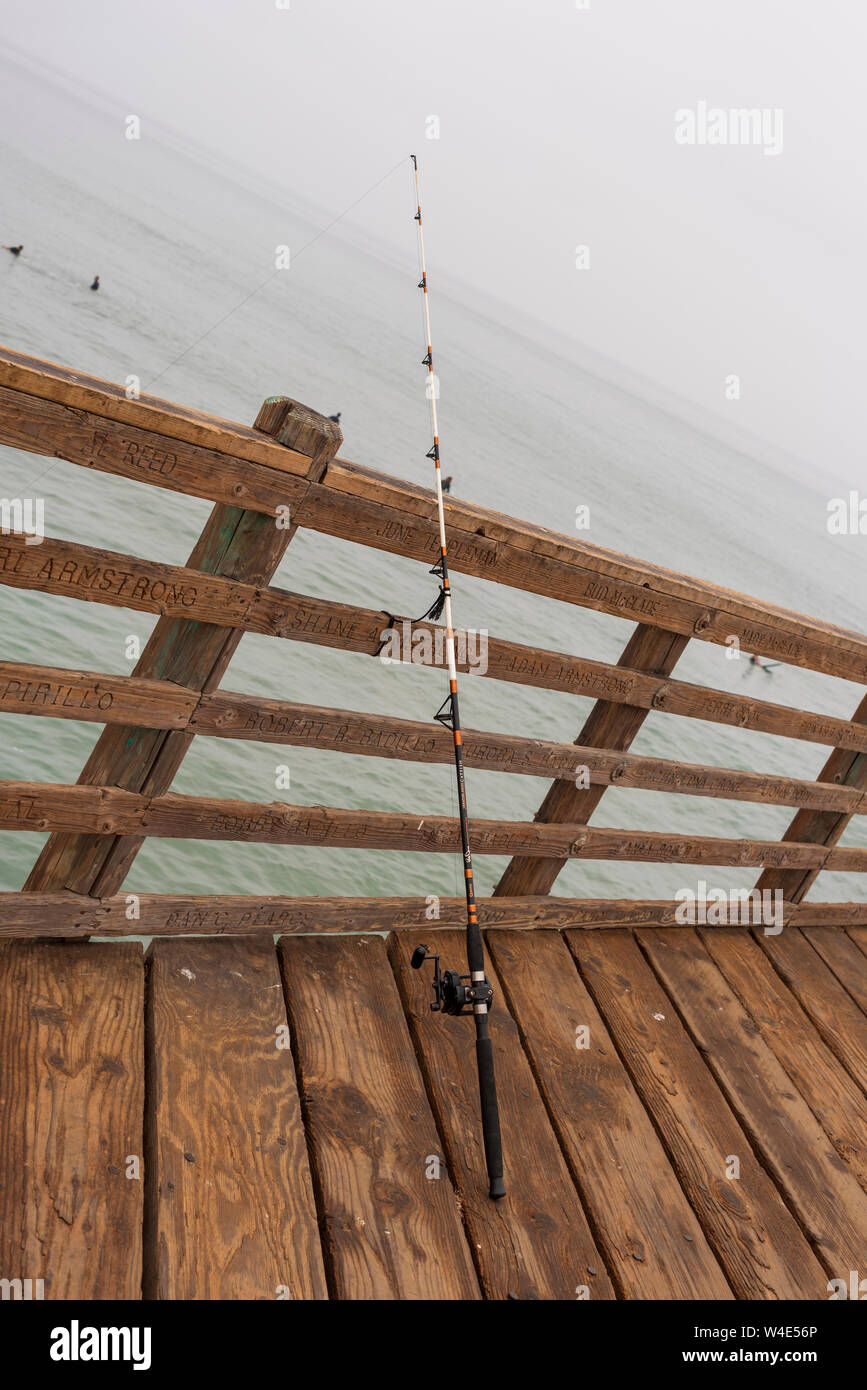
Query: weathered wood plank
point(225, 715)
point(72, 1058)
point(821, 827)
point(831, 1007)
point(168, 914)
point(106, 577)
point(47, 691)
point(536, 1243)
point(819, 1188)
point(653, 1243)
point(832, 1095)
point(364, 506)
point(504, 531)
point(607, 726)
point(94, 697)
point(239, 545)
point(390, 1232)
point(49, 381)
point(232, 1213)
point(587, 576)
point(105, 810)
point(818, 914)
point(843, 957)
point(754, 1236)
point(125, 451)
point(192, 594)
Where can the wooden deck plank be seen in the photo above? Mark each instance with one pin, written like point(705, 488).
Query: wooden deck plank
point(231, 1208)
point(536, 1243)
point(71, 1111)
point(820, 1189)
point(755, 1237)
point(653, 1242)
point(837, 1102)
point(844, 958)
point(832, 1096)
point(390, 1231)
point(831, 1007)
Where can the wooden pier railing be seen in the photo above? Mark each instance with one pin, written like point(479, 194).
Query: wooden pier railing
point(289, 459)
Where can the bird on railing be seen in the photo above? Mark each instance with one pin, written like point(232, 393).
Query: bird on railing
point(335, 418)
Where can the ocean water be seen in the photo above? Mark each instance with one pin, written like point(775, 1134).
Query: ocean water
point(533, 427)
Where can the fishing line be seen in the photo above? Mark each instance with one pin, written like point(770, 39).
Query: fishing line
point(327, 228)
point(451, 993)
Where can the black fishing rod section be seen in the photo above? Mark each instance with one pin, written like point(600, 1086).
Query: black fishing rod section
point(455, 993)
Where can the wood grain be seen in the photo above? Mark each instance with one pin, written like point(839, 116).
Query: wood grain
point(109, 811)
point(843, 957)
point(367, 507)
point(105, 699)
point(819, 1188)
point(832, 1095)
point(536, 1243)
point(72, 1055)
point(236, 544)
point(231, 1208)
point(390, 1232)
point(820, 827)
point(652, 1240)
point(831, 1007)
point(607, 726)
point(171, 914)
point(754, 1236)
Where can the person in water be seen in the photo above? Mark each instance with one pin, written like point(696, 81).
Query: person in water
point(15, 250)
point(95, 285)
point(447, 483)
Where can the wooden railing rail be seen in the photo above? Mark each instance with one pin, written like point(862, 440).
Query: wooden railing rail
point(288, 461)
point(90, 424)
point(105, 699)
point(158, 914)
point(109, 811)
point(238, 548)
point(69, 569)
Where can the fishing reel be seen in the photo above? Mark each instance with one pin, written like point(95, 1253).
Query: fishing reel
point(453, 993)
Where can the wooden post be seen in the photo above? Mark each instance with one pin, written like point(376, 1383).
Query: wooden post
point(608, 726)
point(845, 768)
point(236, 544)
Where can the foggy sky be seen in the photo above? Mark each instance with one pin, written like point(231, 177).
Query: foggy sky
point(557, 129)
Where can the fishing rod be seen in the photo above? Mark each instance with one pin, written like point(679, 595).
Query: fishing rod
point(453, 992)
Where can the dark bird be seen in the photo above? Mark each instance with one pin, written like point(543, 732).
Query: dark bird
point(335, 418)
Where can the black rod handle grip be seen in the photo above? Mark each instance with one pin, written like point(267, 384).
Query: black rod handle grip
point(490, 1116)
